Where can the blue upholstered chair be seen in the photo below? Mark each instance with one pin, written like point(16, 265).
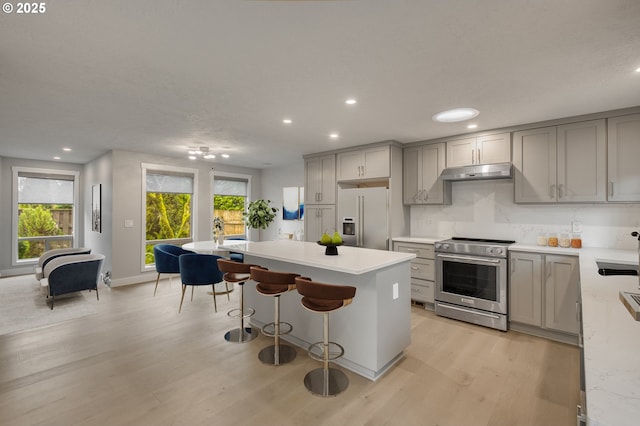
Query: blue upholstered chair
point(237, 257)
point(166, 258)
point(71, 273)
point(200, 269)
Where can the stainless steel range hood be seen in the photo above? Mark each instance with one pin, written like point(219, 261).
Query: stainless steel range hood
point(478, 172)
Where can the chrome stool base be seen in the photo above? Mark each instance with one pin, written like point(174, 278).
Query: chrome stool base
point(326, 382)
point(268, 355)
point(239, 335)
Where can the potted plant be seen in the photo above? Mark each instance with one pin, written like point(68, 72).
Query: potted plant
point(259, 214)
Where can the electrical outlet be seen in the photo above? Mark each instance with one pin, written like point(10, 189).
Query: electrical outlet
point(396, 293)
point(576, 226)
point(128, 223)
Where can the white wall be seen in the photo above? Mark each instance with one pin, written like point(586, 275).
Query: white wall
point(273, 180)
point(485, 209)
point(100, 171)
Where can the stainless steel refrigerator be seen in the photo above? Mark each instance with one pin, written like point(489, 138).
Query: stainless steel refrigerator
point(363, 217)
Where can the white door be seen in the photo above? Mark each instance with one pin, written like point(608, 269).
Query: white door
point(534, 158)
point(461, 152)
point(494, 148)
point(624, 152)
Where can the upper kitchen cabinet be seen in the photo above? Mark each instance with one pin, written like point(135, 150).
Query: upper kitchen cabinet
point(320, 180)
point(479, 150)
point(561, 164)
point(370, 163)
point(624, 152)
point(422, 166)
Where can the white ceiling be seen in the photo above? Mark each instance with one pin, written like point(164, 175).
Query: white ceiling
point(159, 76)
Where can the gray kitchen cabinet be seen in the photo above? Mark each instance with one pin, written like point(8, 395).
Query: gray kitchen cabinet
point(479, 150)
point(525, 289)
point(623, 155)
point(422, 271)
point(422, 167)
point(319, 219)
point(365, 164)
point(561, 163)
point(320, 180)
point(543, 291)
point(561, 293)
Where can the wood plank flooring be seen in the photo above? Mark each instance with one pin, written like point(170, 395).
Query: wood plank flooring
point(139, 362)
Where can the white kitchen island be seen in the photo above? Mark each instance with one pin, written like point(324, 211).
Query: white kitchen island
point(374, 330)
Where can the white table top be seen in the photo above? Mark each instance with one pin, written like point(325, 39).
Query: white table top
point(212, 247)
point(350, 260)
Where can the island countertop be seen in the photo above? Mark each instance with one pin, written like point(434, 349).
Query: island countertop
point(350, 260)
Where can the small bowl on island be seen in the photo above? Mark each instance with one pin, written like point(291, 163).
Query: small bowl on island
point(331, 248)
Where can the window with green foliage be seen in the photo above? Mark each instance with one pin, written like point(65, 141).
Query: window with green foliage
point(169, 206)
point(44, 211)
point(229, 202)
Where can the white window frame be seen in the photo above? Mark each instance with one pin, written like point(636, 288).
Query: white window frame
point(221, 175)
point(16, 170)
point(159, 168)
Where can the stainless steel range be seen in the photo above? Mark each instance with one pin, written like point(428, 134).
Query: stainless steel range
point(471, 280)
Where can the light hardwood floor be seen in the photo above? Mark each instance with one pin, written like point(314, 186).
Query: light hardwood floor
point(137, 361)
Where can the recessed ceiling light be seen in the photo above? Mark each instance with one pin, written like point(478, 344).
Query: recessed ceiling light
point(225, 155)
point(56, 158)
point(209, 156)
point(192, 157)
point(334, 136)
point(287, 121)
point(66, 149)
point(457, 114)
point(637, 69)
point(351, 101)
point(472, 126)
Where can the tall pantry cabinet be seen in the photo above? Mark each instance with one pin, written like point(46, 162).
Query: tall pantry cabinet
point(319, 196)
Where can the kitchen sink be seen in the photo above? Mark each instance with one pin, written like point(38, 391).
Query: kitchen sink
point(613, 267)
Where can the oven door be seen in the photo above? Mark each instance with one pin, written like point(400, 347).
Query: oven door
point(477, 282)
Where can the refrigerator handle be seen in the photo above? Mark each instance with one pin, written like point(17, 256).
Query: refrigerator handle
point(360, 220)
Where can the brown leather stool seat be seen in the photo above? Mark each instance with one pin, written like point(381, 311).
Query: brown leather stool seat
point(325, 298)
point(235, 272)
point(275, 284)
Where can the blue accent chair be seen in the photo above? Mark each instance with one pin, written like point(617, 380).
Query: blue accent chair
point(237, 257)
point(71, 273)
point(200, 269)
point(166, 258)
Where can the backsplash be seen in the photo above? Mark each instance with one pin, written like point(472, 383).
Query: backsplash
point(486, 209)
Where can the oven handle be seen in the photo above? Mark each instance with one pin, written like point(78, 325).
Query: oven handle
point(463, 258)
point(473, 312)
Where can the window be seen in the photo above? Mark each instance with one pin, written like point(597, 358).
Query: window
point(44, 211)
point(169, 203)
point(230, 197)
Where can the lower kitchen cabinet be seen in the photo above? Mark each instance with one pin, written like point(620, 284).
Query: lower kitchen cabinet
point(543, 292)
point(422, 271)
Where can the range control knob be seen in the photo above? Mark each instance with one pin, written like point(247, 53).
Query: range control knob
point(438, 245)
point(499, 250)
point(445, 246)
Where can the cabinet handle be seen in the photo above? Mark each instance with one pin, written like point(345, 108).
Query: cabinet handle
point(513, 267)
point(411, 250)
point(578, 311)
point(560, 191)
point(548, 269)
point(478, 155)
point(319, 196)
point(552, 191)
point(426, 195)
point(611, 188)
point(473, 156)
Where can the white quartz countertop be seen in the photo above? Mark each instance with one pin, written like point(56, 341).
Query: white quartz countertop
point(545, 249)
point(350, 260)
point(611, 341)
point(418, 240)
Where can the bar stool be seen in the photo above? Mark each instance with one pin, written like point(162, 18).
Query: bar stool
point(275, 284)
point(325, 298)
point(235, 272)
